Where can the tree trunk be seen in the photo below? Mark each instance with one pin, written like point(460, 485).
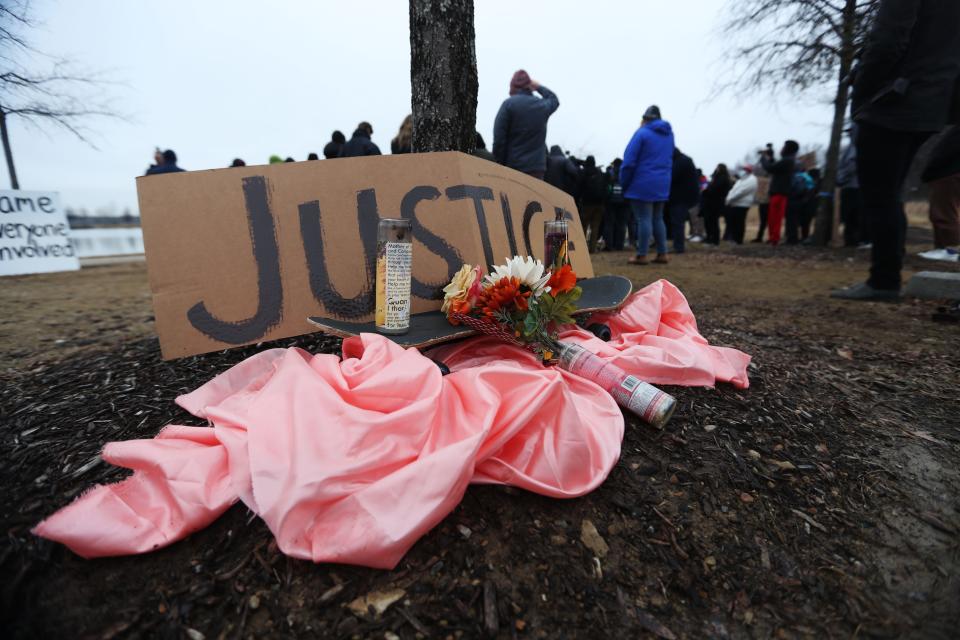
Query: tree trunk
point(7, 151)
point(825, 211)
point(443, 75)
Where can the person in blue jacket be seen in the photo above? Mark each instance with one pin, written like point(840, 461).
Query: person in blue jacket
point(645, 176)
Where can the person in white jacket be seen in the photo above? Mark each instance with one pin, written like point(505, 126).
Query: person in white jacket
point(739, 200)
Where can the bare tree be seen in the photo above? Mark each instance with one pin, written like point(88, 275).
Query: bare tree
point(443, 75)
point(56, 94)
point(802, 47)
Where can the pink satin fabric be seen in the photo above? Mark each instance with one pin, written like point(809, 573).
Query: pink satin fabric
point(353, 460)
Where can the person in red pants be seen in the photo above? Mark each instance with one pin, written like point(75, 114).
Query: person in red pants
point(781, 179)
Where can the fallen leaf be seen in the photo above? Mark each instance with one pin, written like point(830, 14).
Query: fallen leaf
point(845, 353)
point(379, 600)
point(592, 539)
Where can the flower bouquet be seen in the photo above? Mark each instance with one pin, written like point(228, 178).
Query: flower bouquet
point(525, 304)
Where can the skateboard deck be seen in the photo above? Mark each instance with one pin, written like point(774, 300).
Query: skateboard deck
point(602, 293)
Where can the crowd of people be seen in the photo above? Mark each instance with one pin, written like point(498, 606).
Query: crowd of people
point(652, 194)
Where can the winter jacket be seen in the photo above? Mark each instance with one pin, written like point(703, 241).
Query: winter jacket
point(561, 171)
point(715, 196)
point(156, 169)
point(684, 182)
point(744, 192)
point(648, 163)
point(593, 188)
point(359, 145)
point(847, 170)
point(332, 150)
point(908, 76)
point(781, 173)
point(945, 156)
point(520, 130)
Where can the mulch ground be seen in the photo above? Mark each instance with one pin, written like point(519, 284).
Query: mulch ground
point(821, 502)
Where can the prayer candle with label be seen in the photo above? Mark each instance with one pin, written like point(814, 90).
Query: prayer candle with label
point(394, 267)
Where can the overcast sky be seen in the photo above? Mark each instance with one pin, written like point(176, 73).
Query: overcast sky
point(217, 79)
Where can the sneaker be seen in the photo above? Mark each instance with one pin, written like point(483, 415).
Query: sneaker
point(661, 259)
point(864, 291)
point(865, 245)
point(695, 239)
point(949, 254)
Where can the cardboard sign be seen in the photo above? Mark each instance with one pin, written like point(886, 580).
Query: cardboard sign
point(34, 234)
point(243, 255)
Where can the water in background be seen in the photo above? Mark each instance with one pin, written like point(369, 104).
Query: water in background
point(91, 243)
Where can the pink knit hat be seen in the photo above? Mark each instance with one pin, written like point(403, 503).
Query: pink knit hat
point(519, 82)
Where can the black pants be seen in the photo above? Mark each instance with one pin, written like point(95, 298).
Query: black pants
point(711, 222)
point(808, 213)
point(763, 220)
point(883, 160)
point(794, 220)
point(736, 224)
point(677, 227)
point(615, 225)
point(851, 213)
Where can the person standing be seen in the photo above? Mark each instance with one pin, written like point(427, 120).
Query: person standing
point(360, 144)
point(561, 171)
point(168, 164)
point(851, 211)
point(480, 149)
point(617, 210)
point(942, 174)
point(714, 201)
point(684, 196)
point(741, 197)
point(906, 89)
point(333, 148)
point(592, 196)
point(781, 183)
point(645, 176)
point(403, 142)
point(520, 128)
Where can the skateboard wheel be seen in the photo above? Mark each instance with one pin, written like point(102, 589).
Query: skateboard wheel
point(602, 331)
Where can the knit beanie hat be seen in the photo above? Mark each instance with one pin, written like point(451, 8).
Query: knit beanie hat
point(519, 82)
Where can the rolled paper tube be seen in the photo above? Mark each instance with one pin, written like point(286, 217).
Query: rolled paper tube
point(651, 404)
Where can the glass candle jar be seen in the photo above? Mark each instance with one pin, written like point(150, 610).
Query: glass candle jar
point(394, 267)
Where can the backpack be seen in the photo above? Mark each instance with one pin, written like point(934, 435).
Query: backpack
point(800, 185)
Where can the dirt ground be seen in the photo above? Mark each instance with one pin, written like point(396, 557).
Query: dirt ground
point(821, 502)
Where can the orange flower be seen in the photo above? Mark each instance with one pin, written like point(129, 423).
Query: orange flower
point(504, 294)
point(562, 280)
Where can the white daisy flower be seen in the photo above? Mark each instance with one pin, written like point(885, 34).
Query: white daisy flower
point(527, 270)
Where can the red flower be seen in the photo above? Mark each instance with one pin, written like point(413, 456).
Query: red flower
point(503, 294)
point(562, 280)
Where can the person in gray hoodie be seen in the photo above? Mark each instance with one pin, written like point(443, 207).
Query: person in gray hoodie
point(520, 129)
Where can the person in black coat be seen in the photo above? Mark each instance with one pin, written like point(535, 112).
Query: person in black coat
point(906, 89)
point(360, 144)
point(616, 212)
point(561, 171)
point(168, 164)
point(714, 200)
point(684, 196)
point(335, 146)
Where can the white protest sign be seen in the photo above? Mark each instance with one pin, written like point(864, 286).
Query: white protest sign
point(34, 234)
